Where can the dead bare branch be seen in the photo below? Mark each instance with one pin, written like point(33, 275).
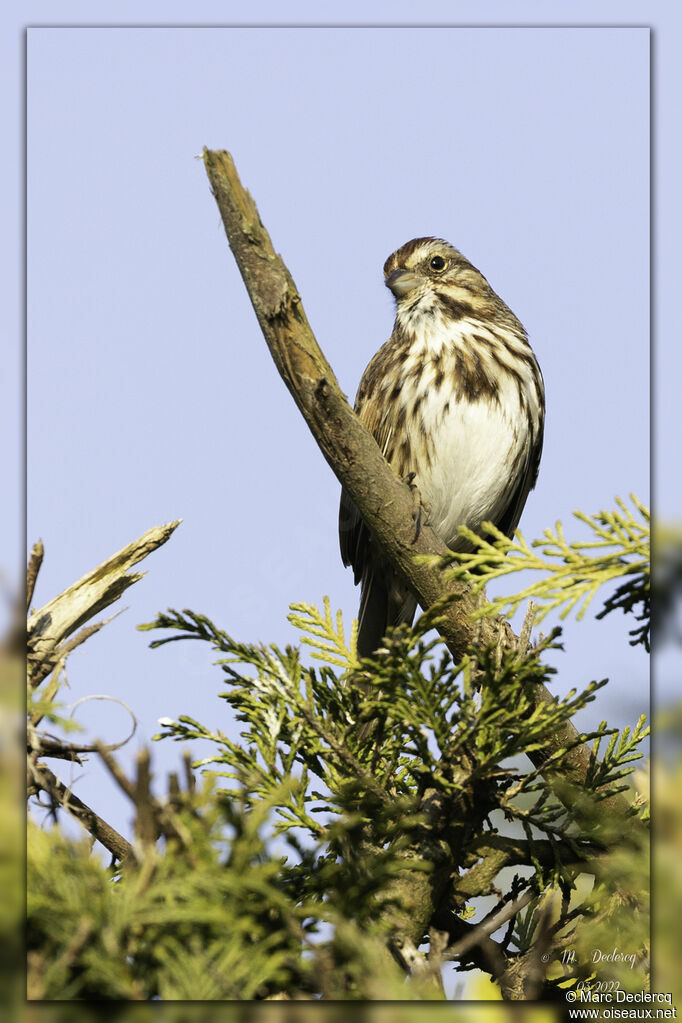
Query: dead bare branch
point(49, 627)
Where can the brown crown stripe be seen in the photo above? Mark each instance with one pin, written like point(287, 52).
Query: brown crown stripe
point(401, 255)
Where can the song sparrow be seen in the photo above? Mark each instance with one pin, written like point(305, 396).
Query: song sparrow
point(456, 402)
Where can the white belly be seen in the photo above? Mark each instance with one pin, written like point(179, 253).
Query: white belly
point(475, 448)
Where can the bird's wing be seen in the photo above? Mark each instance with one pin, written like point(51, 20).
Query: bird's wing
point(353, 535)
point(509, 520)
point(355, 540)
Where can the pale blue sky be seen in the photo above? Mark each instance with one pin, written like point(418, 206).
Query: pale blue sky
point(151, 394)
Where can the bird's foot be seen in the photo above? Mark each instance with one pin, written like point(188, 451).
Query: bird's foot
point(421, 509)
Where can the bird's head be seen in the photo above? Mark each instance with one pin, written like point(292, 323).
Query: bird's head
point(429, 277)
point(427, 265)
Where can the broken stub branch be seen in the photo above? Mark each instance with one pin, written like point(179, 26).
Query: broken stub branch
point(52, 633)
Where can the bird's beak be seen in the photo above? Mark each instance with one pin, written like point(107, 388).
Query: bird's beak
point(402, 282)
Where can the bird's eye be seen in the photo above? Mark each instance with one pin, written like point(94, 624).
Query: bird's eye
point(437, 263)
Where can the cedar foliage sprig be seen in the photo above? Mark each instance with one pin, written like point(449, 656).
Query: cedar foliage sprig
point(571, 572)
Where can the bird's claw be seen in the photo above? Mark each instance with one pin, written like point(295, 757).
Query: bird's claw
point(420, 509)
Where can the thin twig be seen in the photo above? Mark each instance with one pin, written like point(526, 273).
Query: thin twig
point(116, 772)
point(489, 925)
point(40, 672)
point(526, 628)
point(44, 779)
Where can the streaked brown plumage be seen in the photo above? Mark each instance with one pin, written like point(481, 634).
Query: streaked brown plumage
point(455, 400)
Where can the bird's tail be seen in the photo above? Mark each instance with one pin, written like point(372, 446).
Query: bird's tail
point(385, 601)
